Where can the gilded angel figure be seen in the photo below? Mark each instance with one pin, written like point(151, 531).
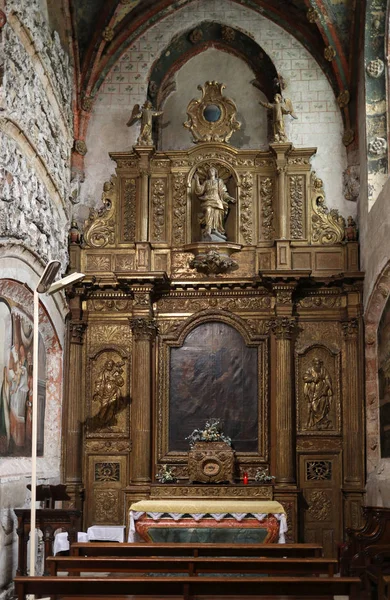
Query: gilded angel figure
point(280, 107)
point(145, 115)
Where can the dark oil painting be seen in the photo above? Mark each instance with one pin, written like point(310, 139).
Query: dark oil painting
point(214, 375)
point(384, 380)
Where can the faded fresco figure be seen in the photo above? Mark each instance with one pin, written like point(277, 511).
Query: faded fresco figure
point(279, 107)
point(108, 392)
point(318, 393)
point(145, 115)
point(214, 199)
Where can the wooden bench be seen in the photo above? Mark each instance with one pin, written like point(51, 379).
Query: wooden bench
point(193, 566)
point(188, 587)
point(151, 549)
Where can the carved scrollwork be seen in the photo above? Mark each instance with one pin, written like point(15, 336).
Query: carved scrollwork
point(107, 446)
point(77, 330)
point(267, 211)
point(158, 208)
point(107, 506)
point(193, 491)
point(350, 328)
point(107, 471)
point(296, 204)
point(100, 226)
point(246, 207)
point(327, 225)
point(320, 302)
point(193, 304)
point(109, 334)
point(179, 207)
point(320, 505)
point(129, 209)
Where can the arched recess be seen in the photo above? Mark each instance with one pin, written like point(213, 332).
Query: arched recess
point(220, 359)
point(378, 469)
point(185, 46)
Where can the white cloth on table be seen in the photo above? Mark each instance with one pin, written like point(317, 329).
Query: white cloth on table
point(108, 533)
point(135, 515)
point(61, 542)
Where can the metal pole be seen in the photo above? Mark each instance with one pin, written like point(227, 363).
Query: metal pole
point(34, 436)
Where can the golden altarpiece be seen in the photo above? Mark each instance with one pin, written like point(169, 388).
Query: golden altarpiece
point(258, 324)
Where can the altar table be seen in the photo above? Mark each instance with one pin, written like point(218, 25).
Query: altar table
point(211, 520)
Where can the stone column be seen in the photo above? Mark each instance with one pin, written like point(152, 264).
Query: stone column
point(144, 330)
point(352, 416)
point(283, 329)
point(73, 415)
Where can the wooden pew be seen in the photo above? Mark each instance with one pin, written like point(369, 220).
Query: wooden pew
point(187, 587)
point(151, 549)
point(192, 566)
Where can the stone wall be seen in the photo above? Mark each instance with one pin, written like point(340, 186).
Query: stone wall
point(319, 123)
point(36, 137)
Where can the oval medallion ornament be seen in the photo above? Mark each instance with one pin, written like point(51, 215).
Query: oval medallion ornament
point(211, 468)
point(212, 118)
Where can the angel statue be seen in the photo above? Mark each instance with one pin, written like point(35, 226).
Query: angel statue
point(214, 199)
point(280, 107)
point(145, 114)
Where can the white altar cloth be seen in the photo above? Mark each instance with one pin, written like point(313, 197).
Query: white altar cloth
point(216, 509)
point(61, 542)
point(107, 533)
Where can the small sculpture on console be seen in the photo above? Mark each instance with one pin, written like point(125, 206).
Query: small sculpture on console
point(145, 114)
point(318, 393)
point(215, 200)
point(280, 107)
point(351, 233)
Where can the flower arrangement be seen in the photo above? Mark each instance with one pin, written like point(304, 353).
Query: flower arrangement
point(166, 474)
point(212, 432)
point(262, 475)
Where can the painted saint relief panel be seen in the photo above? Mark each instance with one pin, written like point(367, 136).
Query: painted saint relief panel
point(384, 380)
point(214, 375)
point(16, 374)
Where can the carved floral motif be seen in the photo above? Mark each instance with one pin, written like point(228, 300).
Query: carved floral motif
point(129, 212)
point(246, 207)
point(107, 506)
point(100, 227)
point(158, 208)
point(179, 208)
point(327, 225)
point(296, 200)
point(320, 505)
point(320, 302)
point(283, 327)
point(193, 304)
point(143, 329)
point(266, 198)
point(109, 334)
point(213, 263)
point(107, 471)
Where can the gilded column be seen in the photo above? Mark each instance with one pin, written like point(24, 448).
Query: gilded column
point(73, 413)
point(352, 417)
point(283, 329)
point(144, 330)
point(281, 151)
point(145, 153)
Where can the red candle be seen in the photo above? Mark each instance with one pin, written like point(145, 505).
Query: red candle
point(245, 478)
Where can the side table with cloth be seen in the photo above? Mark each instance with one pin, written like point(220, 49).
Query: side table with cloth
point(212, 520)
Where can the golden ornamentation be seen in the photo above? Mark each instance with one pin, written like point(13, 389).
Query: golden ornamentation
point(267, 211)
point(143, 329)
point(129, 210)
point(180, 266)
point(343, 98)
point(179, 208)
point(107, 471)
point(320, 302)
point(283, 295)
point(223, 123)
point(98, 263)
point(107, 394)
point(141, 299)
point(127, 163)
point(169, 327)
point(196, 303)
point(107, 506)
point(109, 334)
point(259, 326)
point(296, 210)
point(108, 34)
point(348, 137)
point(320, 505)
point(318, 393)
point(246, 207)
point(158, 209)
point(81, 147)
point(211, 462)
point(125, 262)
point(109, 446)
point(312, 15)
point(327, 225)
point(208, 491)
point(308, 444)
point(213, 262)
point(283, 327)
point(329, 53)
point(298, 160)
point(99, 229)
point(110, 305)
point(146, 115)
point(280, 107)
